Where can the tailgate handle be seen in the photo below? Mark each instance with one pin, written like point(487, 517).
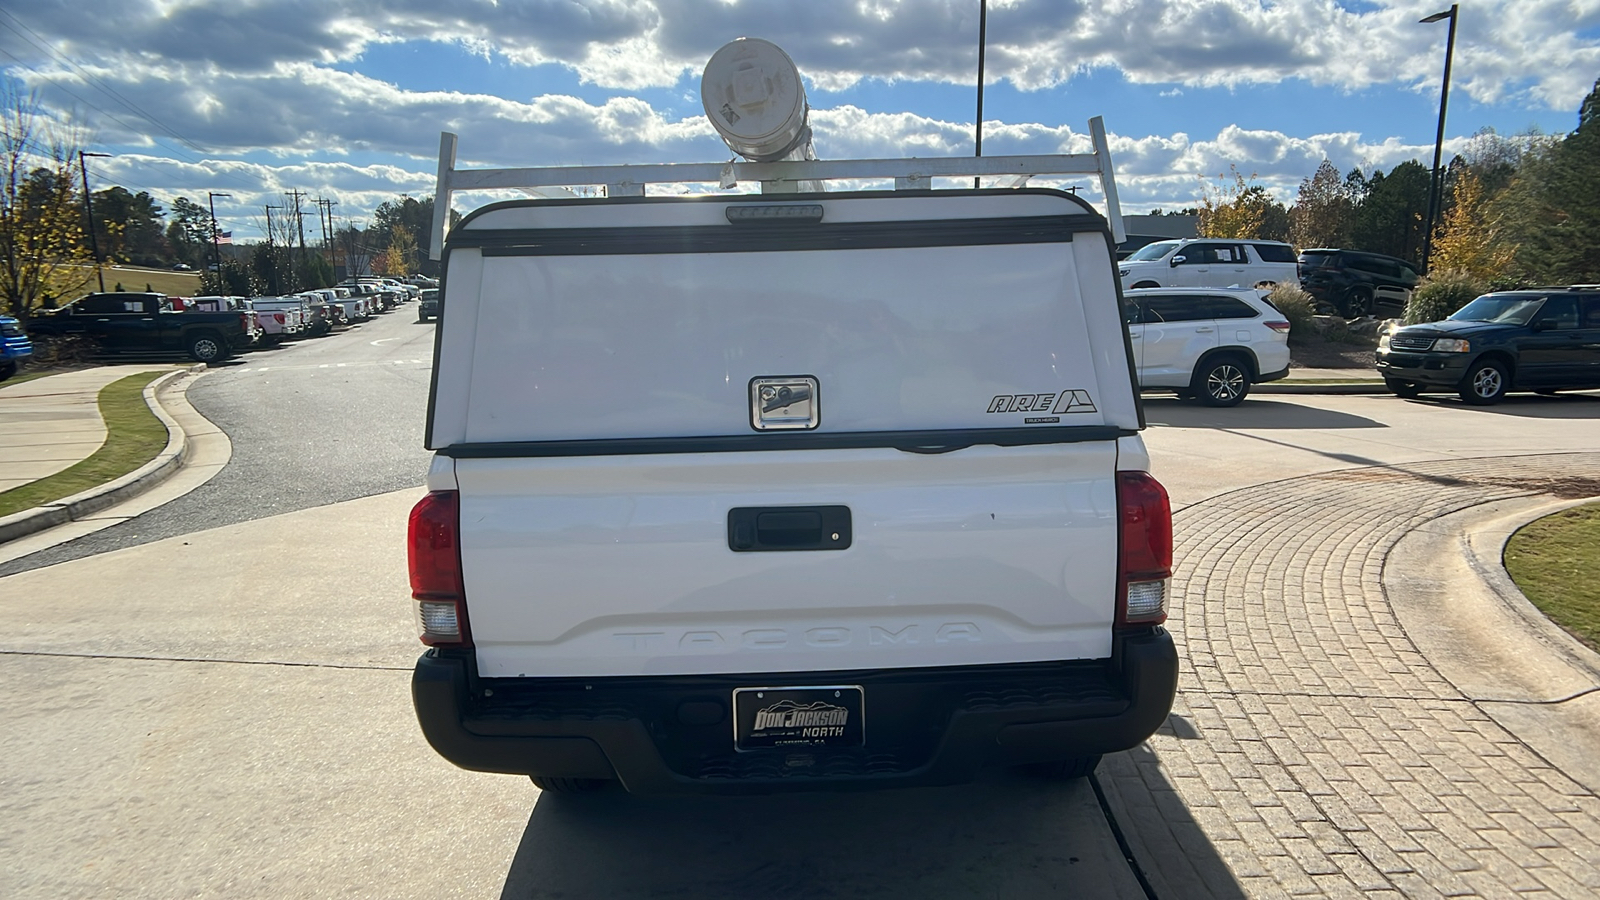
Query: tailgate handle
point(754, 529)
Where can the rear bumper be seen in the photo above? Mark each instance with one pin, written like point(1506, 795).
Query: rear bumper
point(673, 734)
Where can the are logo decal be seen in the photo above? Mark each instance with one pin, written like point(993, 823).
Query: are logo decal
point(1056, 405)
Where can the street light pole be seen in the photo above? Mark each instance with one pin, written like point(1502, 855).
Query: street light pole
point(88, 210)
point(216, 243)
point(983, 39)
point(1436, 177)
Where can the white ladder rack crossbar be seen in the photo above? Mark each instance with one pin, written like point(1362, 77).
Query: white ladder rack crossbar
point(913, 173)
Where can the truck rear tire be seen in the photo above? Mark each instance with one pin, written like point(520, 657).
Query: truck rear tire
point(567, 785)
point(1062, 769)
point(207, 348)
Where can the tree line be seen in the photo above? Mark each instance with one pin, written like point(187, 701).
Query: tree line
point(1516, 210)
point(49, 241)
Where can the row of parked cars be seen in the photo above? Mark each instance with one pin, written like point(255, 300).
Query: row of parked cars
point(210, 329)
point(1351, 283)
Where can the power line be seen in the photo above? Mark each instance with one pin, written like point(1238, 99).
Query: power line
point(103, 111)
point(110, 91)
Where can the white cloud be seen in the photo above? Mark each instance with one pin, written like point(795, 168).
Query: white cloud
point(1169, 171)
point(268, 77)
point(1523, 50)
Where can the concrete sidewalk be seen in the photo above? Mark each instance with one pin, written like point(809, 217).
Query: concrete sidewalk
point(53, 423)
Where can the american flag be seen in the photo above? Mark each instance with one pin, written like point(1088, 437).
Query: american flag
point(224, 237)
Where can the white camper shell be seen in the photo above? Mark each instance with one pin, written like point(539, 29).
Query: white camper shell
point(759, 491)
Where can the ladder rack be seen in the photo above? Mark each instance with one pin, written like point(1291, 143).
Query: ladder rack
point(774, 177)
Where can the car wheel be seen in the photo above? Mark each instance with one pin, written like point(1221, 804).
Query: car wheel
point(1486, 382)
point(1062, 769)
point(1145, 284)
point(1221, 381)
point(567, 785)
point(1406, 389)
point(1358, 303)
point(207, 348)
point(7, 369)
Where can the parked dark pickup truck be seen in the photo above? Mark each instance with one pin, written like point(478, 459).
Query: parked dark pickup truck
point(142, 323)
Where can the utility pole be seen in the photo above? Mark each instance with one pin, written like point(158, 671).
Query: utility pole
point(325, 219)
point(88, 210)
point(300, 229)
point(272, 252)
point(216, 234)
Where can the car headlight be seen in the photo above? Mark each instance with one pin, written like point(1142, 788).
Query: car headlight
point(1452, 345)
point(1383, 341)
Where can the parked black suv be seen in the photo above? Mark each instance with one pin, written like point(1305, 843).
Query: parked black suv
point(1541, 339)
point(1355, 283)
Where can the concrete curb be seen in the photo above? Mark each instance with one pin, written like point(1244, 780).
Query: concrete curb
point(1486, 551)
point(86, 503)
point(1290, 387)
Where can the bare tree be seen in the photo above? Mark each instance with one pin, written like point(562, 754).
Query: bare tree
point(1324, 212)
point(42, 226)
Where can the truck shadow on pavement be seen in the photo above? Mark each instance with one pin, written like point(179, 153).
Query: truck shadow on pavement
point(1252, 413)
point(1528, 406)
point(1002, 836)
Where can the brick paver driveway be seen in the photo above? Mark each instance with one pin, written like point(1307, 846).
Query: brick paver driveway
point(1313, 750)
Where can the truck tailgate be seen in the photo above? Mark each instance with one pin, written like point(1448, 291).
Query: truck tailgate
point(623, 565)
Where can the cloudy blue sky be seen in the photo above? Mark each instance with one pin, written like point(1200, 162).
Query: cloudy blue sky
point(345, 99)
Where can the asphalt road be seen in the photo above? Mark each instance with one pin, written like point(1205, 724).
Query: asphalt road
point(312, 422)
point(226, 713)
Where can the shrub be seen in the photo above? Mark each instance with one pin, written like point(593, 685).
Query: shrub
point(1296, 306)
point(63, 350)
point(1440, 294)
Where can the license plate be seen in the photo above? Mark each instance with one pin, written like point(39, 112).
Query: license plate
point(771, 717)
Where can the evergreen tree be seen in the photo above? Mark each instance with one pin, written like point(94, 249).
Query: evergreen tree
point(1555, 204)
point(1390, 218)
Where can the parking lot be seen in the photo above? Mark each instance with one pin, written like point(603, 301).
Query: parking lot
point(221, 708)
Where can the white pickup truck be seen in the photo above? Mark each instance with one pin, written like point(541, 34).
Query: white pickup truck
point(754, 492)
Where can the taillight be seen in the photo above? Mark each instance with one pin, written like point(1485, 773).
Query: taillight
point(434, 556)
point(1144, 551)
point(1280, 327)
point(280, 317)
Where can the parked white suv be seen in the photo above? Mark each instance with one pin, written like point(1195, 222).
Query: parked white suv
point(1210, 262)
point(1209, 343)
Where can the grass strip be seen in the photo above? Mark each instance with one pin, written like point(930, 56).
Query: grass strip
point(1553, 561)
point(133, 437)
